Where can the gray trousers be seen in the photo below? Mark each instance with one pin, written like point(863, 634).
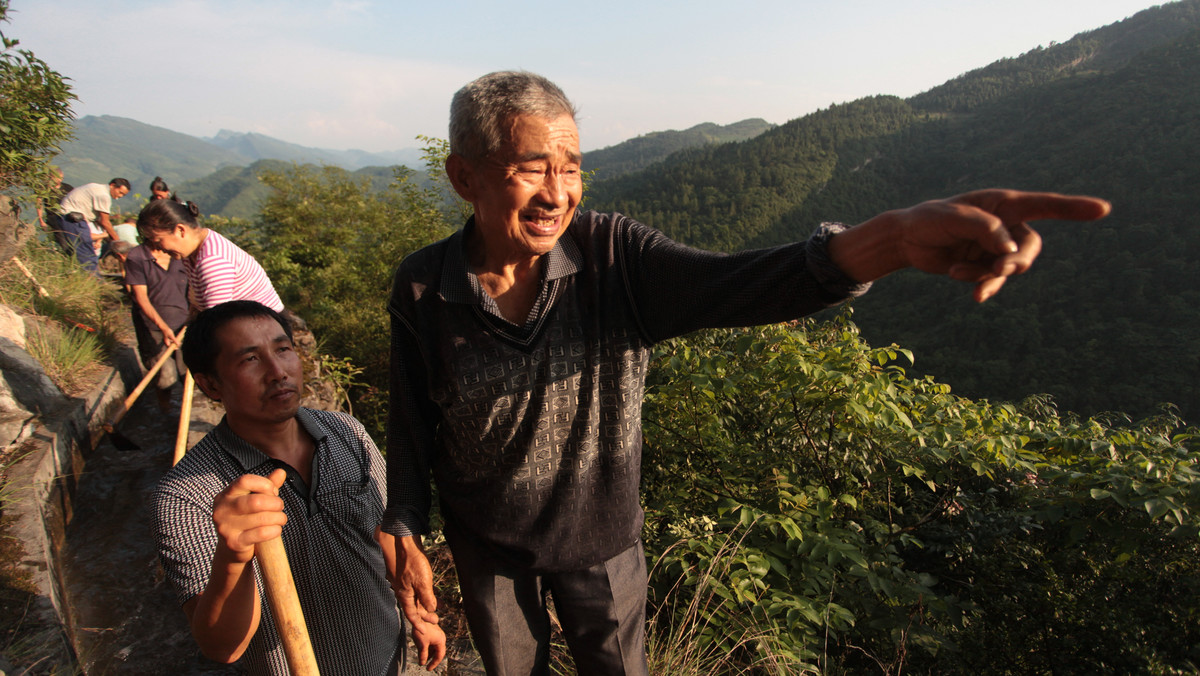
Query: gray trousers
point(602, 610)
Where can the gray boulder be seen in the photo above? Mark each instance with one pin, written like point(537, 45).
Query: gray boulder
point(26, 392)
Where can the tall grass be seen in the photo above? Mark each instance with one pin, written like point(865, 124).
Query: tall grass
point(680, 631)
point(680, 628)
point(67, 355)
point(79, 322)
point(72, 296)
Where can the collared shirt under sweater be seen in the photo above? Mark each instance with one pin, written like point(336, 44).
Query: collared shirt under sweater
point(533, 432)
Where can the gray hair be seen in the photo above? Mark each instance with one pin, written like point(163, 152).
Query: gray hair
point(480, 109)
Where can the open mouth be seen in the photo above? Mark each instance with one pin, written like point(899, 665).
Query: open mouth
point(543, 226)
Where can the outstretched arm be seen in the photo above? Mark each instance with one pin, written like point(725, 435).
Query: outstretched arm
point(980, 237)
point(225, 616)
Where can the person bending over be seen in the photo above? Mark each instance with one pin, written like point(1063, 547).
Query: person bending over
point(159, 287)
point(218, 270)
point(85, 218)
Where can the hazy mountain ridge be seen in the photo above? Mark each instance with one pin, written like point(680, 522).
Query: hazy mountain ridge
point(254, 147)
point(107, 146)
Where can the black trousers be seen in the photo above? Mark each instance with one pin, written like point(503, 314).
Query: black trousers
point(602, 610)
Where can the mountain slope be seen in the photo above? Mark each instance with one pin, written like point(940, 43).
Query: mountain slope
point(106, 147)
point(1108, 320)
point(255, 147)
point(639, 153)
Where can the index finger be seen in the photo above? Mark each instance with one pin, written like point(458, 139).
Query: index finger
point(1015, 206)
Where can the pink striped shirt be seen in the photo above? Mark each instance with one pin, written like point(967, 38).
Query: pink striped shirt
point(220, 271)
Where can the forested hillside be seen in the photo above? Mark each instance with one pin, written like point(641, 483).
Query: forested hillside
point(106, 147)
point(238, 192)
point(643, 151)
point(1108, 321)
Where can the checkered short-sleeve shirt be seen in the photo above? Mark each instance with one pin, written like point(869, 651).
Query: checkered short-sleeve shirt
point(337, 564)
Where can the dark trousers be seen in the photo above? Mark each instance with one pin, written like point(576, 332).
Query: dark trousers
point(602, 610)
point(80, 237)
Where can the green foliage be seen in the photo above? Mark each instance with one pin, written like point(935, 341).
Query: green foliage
point(434, 153)
point(867, 521)
point(35, 114)
point(342, 374)
point(330, 244)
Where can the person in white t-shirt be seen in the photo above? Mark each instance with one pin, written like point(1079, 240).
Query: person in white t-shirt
point(85, 213)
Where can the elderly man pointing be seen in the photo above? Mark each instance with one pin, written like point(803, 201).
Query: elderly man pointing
point(519, 354)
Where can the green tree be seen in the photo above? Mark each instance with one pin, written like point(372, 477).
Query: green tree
point(844, 518)
point(35, 117)
point(331, 243)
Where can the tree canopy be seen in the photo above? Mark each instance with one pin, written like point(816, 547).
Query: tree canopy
point(35, 115)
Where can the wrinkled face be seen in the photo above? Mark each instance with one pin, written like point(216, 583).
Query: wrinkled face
point(258, 373)
point(526, 195)
point(179, 242)
point(117, 192)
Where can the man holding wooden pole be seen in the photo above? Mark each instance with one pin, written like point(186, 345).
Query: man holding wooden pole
point(271, 468)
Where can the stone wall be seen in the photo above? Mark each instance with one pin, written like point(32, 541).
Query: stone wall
point(51, 457)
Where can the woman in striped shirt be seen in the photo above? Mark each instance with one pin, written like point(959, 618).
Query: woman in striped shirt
point(218, 270)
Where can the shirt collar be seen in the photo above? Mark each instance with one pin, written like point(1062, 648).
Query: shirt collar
point(250, 457)
point(459, 284)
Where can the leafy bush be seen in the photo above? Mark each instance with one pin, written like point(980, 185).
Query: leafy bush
point(869, 522)
point(330, 244)
point(35, 117)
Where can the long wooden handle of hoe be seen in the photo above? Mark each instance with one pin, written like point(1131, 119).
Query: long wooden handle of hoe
point(185, 417)
point(285, 607)
point(137, 391)
point(41, 289)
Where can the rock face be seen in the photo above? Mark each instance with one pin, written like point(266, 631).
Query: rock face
point(13, 233)
point(25, 390)
point(12, 326)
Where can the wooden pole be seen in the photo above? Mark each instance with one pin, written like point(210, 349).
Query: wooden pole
point(46, 294)
point(285, 607)
point(137, 391)
point(185, 417)
point(40, 289)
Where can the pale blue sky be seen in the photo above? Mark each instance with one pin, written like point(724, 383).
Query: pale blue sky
point(373, 74)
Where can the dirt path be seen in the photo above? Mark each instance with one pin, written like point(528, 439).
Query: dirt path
point(129, 618)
